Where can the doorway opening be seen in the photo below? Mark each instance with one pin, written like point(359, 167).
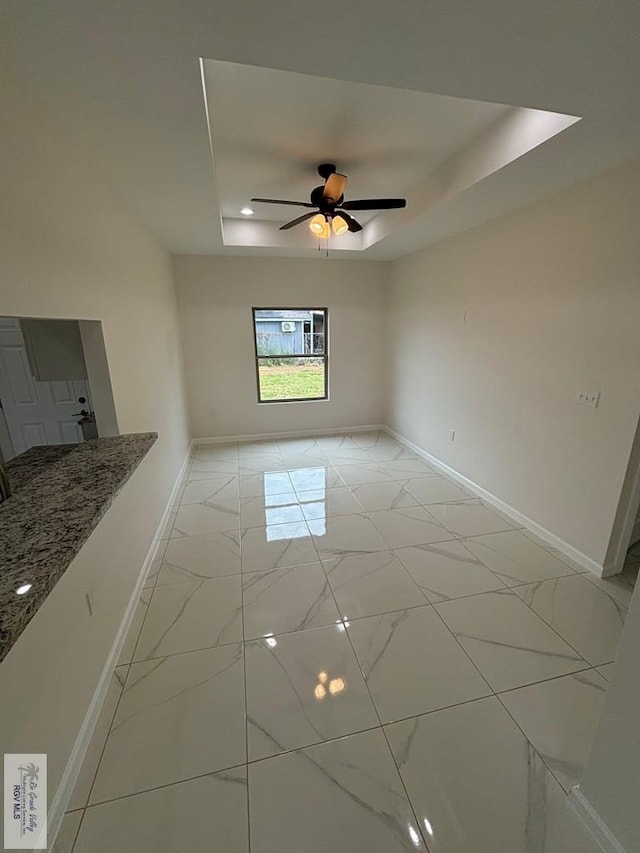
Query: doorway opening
point(622, 560)
point(54, 383)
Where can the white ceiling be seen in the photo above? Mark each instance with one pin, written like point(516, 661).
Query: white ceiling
point(270, 129)
point(125, 78)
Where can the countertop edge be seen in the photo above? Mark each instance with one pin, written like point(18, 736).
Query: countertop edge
point(57, 503)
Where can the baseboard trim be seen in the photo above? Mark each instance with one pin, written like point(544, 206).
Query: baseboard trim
point(586, 813)
point(71, 772)
point(300, 433)
point(547, 536)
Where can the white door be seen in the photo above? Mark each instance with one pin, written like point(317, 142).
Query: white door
point(35, 412)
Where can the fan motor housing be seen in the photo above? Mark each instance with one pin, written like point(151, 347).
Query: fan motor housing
point(317, 198)
point(326, 169)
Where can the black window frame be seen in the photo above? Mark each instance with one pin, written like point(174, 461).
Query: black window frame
point(324, 356)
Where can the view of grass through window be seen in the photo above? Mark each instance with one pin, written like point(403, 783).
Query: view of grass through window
point(291, 355)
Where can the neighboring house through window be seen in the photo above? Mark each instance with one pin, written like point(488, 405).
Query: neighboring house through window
point(291, 354)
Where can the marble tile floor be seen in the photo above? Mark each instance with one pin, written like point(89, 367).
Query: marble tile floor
point(339, 649)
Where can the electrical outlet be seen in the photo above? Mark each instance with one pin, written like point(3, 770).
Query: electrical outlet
point(588, 398)
point(452, 435)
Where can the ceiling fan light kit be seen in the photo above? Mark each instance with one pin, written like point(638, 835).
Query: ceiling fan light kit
point(320, 226)
point(339, 225)
point(331, 206)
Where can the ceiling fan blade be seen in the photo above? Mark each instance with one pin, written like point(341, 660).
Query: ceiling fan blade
point(375, 204)
point(281, 201)
point(354, 225)
point(297, 221)
point(334, 187)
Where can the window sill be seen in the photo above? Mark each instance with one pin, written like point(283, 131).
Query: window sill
point(297, 400)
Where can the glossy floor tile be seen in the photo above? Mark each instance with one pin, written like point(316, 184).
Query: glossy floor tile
point(184, 617)
point(551, 550)
point(342, 535)
point(367, 584)
point(67, 834)
point(355, 474)
point(475, 783)
point(168, 525)
point(311, 459)
point(273, 510)
point(260, 463)
point(303, 688)
point(308, 445)
point(203, 468)
point(259, 446)
point(432, 490)
point(468, 518)
point(205, 814)
point(167, 725)
point(192, 558)
point(340, 796)
point(405, 467)
point(346, 455)
point(410, 525)
point(129, 647)
point(606, 671)
point(586, 616)
point(266, 510)
point(390, 495)
point(516, 559)
point(326, 503)
point(569, 834)
point(216, 451)
point(372, 438)
point(389, 452)
point(213, 491)
point(312, 597)
point(267, 483)
point(315, 477)
point(412, 664)
point(195, 519)
point(80, 796)
point(619, 587)
point(447, 570)
point(560, 717)
point(290, 599)
point(156, 564)
point(276, 546)
point(509, 644)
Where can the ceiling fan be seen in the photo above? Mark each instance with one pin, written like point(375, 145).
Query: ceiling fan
point(329, 207)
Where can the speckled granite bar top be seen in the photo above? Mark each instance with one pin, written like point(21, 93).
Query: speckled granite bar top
point(60, 493)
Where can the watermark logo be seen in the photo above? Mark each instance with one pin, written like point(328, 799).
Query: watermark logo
point(25, 802)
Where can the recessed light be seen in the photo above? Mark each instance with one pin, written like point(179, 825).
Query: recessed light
point(246, 211)
point(23, 589)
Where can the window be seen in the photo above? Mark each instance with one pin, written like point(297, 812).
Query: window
point(291, 353)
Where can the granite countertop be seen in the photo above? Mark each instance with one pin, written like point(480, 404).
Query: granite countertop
point(60, 493)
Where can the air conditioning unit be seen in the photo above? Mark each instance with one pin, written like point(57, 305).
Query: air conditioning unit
point(288, 326)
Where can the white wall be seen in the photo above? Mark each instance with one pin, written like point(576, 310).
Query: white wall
point(611, 782)
point(215, 297)
point(552, 300)
point(70, 249)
